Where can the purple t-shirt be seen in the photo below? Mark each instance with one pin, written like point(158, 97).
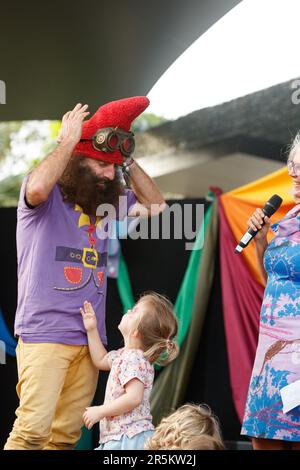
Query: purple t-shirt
point(57, 271)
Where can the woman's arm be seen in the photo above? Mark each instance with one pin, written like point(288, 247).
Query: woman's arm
point(260, 248)
point(255, 222)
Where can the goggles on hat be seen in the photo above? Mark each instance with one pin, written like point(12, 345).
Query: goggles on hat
point(110, 139)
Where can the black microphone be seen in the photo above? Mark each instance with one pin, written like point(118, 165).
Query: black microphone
point(269, 209)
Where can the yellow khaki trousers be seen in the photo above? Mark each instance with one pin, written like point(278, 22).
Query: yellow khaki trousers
point(56, 383)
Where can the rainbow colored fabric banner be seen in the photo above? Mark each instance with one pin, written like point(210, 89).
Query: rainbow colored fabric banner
point(242, 287)
point(241, 203)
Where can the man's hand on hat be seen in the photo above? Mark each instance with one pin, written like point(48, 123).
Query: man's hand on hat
point(128, 163)
point(71, 126)
point(126, 169)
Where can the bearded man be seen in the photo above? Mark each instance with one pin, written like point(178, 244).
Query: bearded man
point(62, 261)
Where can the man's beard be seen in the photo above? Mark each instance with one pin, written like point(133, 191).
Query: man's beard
point(79, 185)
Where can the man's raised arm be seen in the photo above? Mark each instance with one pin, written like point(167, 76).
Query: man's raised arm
point(150, 200)
point(44, 177)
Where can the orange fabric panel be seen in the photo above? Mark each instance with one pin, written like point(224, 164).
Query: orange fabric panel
point(240, 203)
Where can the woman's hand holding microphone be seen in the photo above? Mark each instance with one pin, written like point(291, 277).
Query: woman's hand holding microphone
point(255, 222)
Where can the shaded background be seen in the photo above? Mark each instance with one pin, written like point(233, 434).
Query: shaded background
point(54, 54)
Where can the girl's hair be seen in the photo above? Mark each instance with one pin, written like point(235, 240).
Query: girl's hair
point(191, 427)
point(158, 328)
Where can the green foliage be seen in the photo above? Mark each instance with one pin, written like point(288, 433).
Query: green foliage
point(9, 192)
point(23, 145)
point(7, 131)
point(54, 128)
point(146, 121)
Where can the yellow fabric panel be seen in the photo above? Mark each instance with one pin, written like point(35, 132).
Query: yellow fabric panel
point(240, 203)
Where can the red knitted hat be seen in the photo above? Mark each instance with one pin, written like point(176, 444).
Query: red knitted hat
point(118, 113)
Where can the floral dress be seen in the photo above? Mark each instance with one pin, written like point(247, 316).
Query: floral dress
point(127, 364)
point(277, 361)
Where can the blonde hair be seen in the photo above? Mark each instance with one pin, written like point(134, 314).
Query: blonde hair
point(191, 427)
point(158, 328)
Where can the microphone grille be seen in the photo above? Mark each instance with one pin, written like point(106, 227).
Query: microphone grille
point(272, 205)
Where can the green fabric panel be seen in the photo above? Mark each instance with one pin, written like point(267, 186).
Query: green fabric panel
point(124, 285)
point(175, 376)
point(86, 440)
point(185, 299)
point(187, 292)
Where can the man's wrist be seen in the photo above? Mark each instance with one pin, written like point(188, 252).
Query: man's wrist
point(68, 143)
point(127, 168)
point(129, 162)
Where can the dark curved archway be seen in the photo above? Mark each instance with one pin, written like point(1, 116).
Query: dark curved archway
point(54, 54)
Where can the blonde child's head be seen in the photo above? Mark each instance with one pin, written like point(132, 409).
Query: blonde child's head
point(191, 427)
point(153, 323)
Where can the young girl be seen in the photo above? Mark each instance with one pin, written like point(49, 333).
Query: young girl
point(191, 427)
point(148, 330)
